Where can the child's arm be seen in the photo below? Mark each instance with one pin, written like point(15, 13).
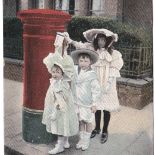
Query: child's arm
point(76, 43)
point(116, 64)
point(108, 85)
point(96, 93)
point(61, 91)
point(73, 90)
point(60, 101)
point(114, 70)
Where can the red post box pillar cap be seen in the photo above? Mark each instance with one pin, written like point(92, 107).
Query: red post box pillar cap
point(43, 13)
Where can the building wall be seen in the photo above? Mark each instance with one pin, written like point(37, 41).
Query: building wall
point(119, 9)
point(82, 7)
point(110, 9)
point(138, 12)
point(97, 7)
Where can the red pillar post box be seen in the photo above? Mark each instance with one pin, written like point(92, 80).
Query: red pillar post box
point(39, 32)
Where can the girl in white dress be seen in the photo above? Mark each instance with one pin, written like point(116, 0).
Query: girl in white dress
point(59, 114)
point(107, 68)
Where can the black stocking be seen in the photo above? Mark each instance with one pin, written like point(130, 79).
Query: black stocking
point(106, 120)
point(97, 119)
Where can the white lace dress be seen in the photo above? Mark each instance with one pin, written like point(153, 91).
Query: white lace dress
point(108, 66)
point(64, 121)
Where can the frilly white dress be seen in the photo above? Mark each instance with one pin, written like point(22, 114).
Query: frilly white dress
point(62, 121)
point(66, 121)
point(107, 66)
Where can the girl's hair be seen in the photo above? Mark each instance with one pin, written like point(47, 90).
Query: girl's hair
point(84, 55)
point(108, 41)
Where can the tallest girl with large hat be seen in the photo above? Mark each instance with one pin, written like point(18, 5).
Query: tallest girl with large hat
point(108, 69)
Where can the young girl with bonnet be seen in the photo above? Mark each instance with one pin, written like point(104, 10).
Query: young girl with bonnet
point(59, 110)
point(108, 69)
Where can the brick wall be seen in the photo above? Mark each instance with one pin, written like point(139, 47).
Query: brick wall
point(135, 93)
point(13, 69)
point(138, 12)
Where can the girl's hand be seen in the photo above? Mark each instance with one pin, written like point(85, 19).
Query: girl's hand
point(67, 38)
point(93, 109)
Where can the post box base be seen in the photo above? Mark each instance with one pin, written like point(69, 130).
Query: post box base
point(33, 130)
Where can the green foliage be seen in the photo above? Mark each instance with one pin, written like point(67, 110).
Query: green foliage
point(13, 43)
point(129, 35)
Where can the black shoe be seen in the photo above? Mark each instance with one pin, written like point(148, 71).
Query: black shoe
point(104, 137)
point(94, 132)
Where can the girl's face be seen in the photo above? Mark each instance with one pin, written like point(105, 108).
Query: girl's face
point(101, 42)
point(84, 62)
point(56, 73)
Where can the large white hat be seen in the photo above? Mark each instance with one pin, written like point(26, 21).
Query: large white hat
point(92, 33)
point(93, 55)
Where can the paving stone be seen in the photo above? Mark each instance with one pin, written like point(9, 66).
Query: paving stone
point(130, 131)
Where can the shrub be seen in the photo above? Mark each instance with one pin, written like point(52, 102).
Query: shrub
point(13, 45)
point(129, 35)
point(12, 27)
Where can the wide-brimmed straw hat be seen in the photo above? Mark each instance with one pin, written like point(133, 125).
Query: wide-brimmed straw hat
point(92, 33)
point(93, 55)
